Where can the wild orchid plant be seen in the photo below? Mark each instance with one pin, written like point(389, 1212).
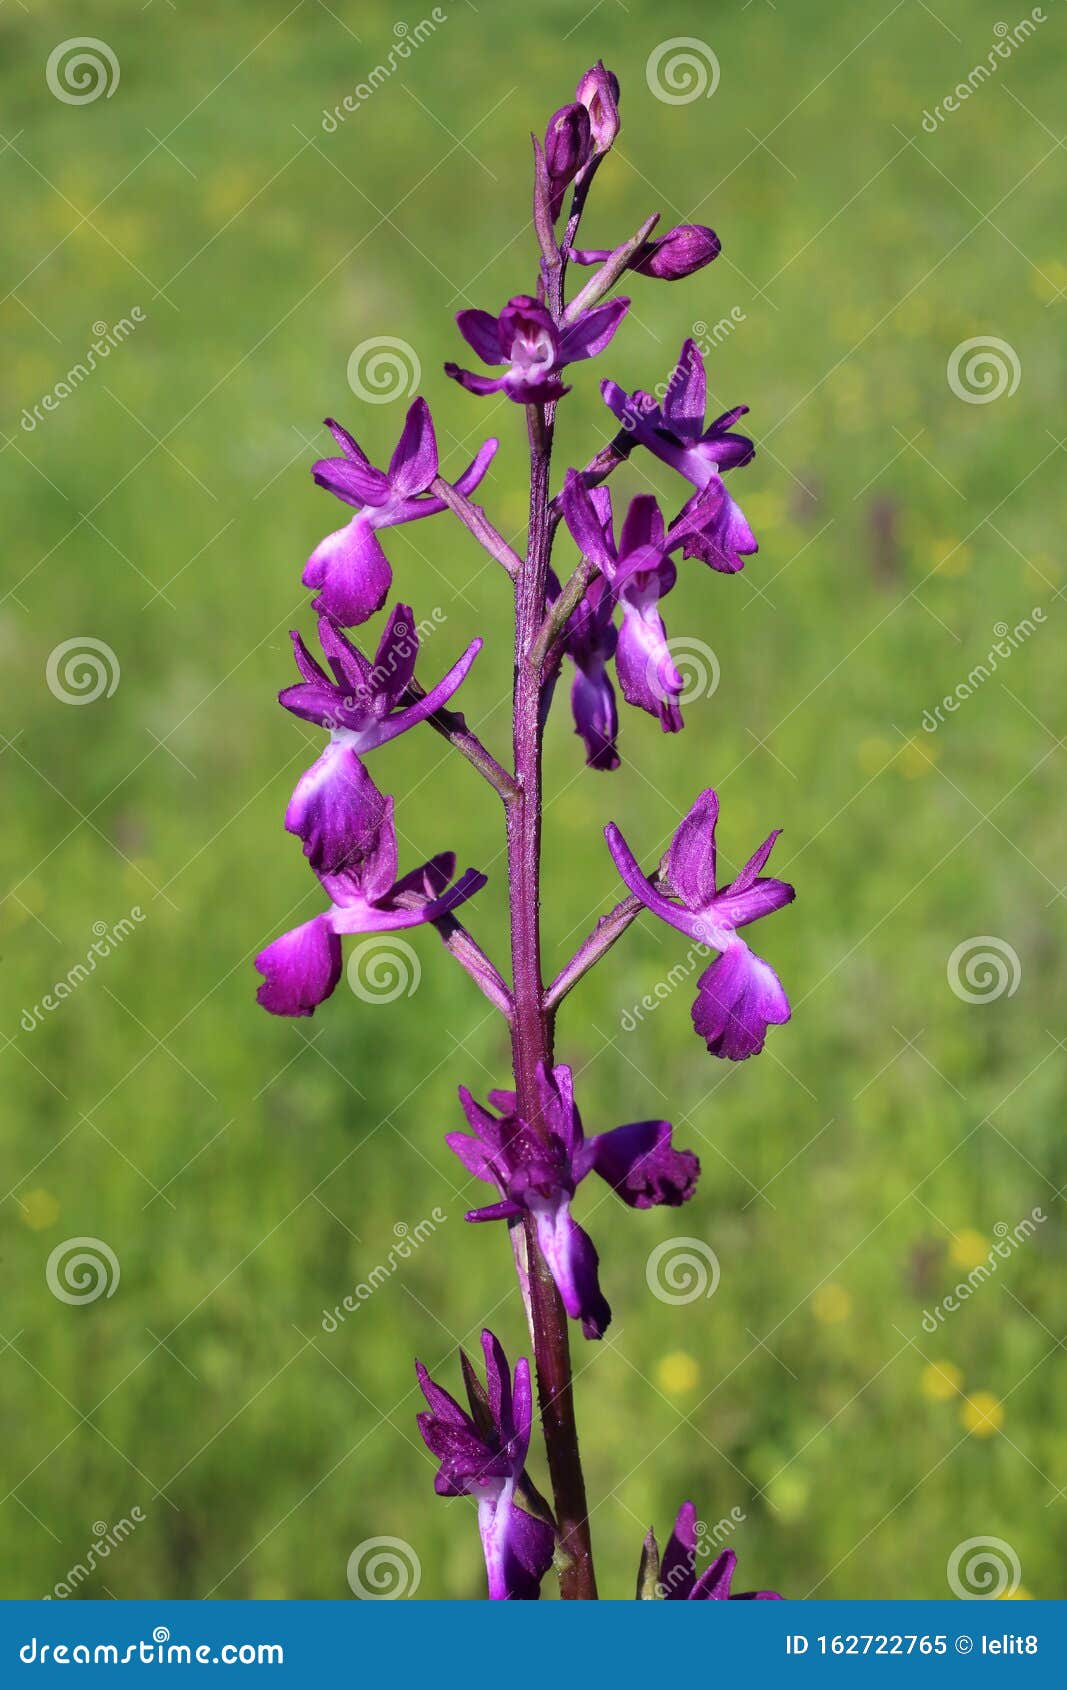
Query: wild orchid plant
point(529, 1146)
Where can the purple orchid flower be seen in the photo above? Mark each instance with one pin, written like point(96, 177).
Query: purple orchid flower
point(677, 1576)
point(302, 967)
point(362, 708)
point(675, 433)
point(349, 567)
point(483, 1455)
point(740, 995)
point(537, 1176)
point(640, 574)
point(526, 338)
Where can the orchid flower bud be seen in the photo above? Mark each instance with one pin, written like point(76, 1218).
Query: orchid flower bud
point(568, 145)
point(680, 252)
point(598, 91)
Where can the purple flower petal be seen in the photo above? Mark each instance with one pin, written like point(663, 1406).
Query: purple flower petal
point(356, 483)
point(352, 573)
point(482, 385)
point(336, 809)
point(696, 925)
point(738, 998)
point(414, 462)
point(573, 1262)
point(592, 331)
point(641, 1165)
point(647, 672)
point(401, 720)
point(596, 718)
point(394, 662)
point(678, 1567)
point(482, 334)
point(518, 1549)
point(589, 521)
point(300, 969)
point(686, 395)
point(475, 470)
point(691, 858)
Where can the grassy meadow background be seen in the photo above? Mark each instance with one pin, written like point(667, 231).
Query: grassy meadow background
point(248, 1173)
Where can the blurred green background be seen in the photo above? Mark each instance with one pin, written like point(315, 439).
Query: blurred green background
point(248, 1173)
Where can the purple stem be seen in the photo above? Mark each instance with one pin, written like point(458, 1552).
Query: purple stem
point(469, 954)
point(608, 929)
point(606, 277)
point(474, 517)
point(451, 725)
point(530, 1026)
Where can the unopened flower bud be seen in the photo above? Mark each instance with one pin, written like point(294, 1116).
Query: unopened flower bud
point(568, 145)
point(680, 252)
point(598, 91)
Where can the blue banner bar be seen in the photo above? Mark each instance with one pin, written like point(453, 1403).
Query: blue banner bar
point(942, 1642)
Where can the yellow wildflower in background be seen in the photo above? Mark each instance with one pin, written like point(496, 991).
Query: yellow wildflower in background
point(39, 1209)
point(915, 758)
point(969, 1248)
point(982, 1414)
point(831, 1304)
point(941, 1380)
point(873, 754)
point(677, 1373)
